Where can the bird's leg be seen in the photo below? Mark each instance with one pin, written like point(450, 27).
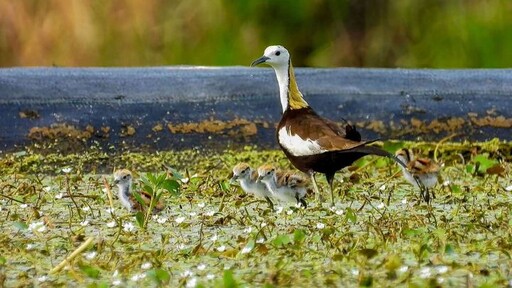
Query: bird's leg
point(330, 178)
point(301, 201)
point(270, 204)
point(315, 187)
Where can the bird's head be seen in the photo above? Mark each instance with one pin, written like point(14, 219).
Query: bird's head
point(241, 171)
point(275, 56)
point(123, 177)
point(266, 172)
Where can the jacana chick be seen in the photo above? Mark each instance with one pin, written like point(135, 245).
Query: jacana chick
point(310, 142)
point(248, 179)
point(423, 169)
point(285, 186)
point(123, 180)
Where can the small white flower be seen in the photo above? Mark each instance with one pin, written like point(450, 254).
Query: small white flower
point(440, 280)
point(182, 246)
point(38, 226)
point(289, 212)
point(161, 220)
point(214, 238)
point(446, 183)
point(508, 188)
point(339, 212)
point(115, 273)
point(403, 269)
point(184, 180)
point(201, 267)
point(192, 282)
point(221, 248)
point(180, 219)
point(137, 277)
point(187, 273)
point(210, 213)
point(404, 201)
point(23, 205)
point(260, 240)
point(320, 225)
point(354, 272)
point(47, 189)
point(425, 272)
point(382, 187)
point(192, 214)
point(246, 250)
point(110, 210)
point(59, 196)
point(66, 170)
point(104, 190)
point(227, 266)
point(279, 209)
point(91, 255)
point(117, 282)
point(263, 224)
point(111, 224)
point(442, 269)
point(201, 205)
point(211, 277)
point(248, 230)
point(128, 227)
point(146, 265)
point(30, 246)
point(42, 278)
point(84, 223)
point(381, 205)
point(86, 208)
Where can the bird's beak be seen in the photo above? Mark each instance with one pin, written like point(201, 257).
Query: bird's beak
point(233, 179)
point(259, 178)
point(116, 181)
point(260, 60)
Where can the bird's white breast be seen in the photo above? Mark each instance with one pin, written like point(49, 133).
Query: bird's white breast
point(298, 146)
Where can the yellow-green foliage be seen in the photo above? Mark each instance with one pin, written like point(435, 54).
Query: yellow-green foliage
point(226, 32)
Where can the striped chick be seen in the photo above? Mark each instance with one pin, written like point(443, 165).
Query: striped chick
point(285, 186)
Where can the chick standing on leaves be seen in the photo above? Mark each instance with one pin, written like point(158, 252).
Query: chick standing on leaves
point(421, 170)
point(248, 179)
point(123, 180)
point(285, 186)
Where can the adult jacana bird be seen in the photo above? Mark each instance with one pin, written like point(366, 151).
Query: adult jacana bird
point(312, 143)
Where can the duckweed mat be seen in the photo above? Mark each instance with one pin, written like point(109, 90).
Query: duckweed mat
point(55, 207)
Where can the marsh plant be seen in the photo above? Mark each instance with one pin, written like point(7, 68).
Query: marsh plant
point(156, 185)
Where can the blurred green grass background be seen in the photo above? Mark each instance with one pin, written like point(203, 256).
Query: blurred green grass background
point(320, 33)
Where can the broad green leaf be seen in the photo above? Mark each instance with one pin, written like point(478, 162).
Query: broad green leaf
point(20, 225)
point(172, 186)
point(139, 217)
point(159, 276)
point(89, 270)
point(298, 236)
point(229, 280)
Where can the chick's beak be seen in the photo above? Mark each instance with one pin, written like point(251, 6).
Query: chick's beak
point(260, 60)
point(233, 179)
point(116, 181)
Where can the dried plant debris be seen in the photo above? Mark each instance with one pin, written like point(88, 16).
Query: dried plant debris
point(60, 228)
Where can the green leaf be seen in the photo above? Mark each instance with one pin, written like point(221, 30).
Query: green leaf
point(229, 281)
point(224, 186)
point(139, 217)
point(298, 236)
point(172, 186)
point(89, 270)
point(175, 174)
point(2, 260)
point(485, 163)
point(137, 197)
point(20, 225)
point(448, 249)
point(351, 215)
point(392, 147)
point(281, 240)
point(159, 276)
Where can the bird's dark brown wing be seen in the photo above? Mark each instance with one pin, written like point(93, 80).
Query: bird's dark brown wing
point(306, 124)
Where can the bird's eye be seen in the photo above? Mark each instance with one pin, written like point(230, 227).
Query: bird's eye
point(278, 53)
point(125, 176)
